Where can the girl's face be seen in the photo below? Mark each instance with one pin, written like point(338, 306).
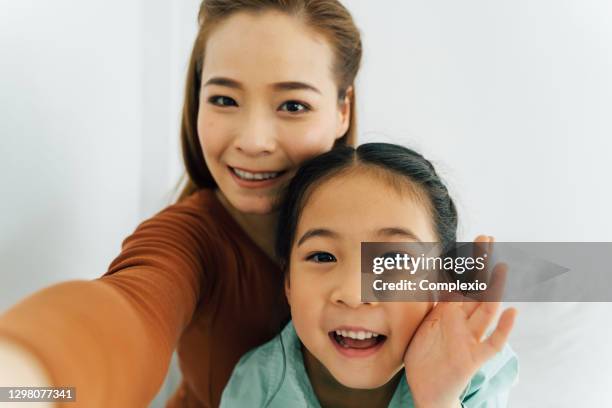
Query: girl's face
point(323, 286)
point(268, 102)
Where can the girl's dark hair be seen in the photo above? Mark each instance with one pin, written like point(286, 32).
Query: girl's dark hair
point(396, 161)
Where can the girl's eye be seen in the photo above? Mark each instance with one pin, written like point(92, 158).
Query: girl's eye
point(222, 101)
point(394, 254)
point(294, 107)
point(321, 257)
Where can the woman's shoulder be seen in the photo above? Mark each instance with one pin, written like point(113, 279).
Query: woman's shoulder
point(201, 205)
point(179, 242)
point(197, 217)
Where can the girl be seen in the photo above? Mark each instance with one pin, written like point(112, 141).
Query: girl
point(269, 84)
point(340, 352)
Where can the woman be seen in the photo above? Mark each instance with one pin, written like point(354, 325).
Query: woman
point(270, 84)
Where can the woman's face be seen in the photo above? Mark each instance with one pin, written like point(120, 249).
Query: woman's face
point(268, 102)
point(324, 284)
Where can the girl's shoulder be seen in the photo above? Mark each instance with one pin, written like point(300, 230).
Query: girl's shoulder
point(271, 375)
point(256, 376)
point(490, 386)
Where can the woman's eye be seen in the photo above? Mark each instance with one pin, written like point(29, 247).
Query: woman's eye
point(320, 257)
point(294, 107)
point(222, 101)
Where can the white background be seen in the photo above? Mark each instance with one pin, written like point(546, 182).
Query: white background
point(512, 100)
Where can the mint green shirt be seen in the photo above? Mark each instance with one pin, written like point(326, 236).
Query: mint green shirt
point(273, 375)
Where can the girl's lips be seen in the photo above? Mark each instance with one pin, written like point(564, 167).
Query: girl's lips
point(353, 352)
point(253, 184)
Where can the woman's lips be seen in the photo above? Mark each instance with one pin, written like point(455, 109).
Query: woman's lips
point(248, 179)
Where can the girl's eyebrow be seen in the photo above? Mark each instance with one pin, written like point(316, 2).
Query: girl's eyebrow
point(278, 86)
point(384, 232)
point(403, 232)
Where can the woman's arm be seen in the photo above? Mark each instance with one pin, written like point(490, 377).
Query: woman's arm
point(112, 338)
point(89, 336)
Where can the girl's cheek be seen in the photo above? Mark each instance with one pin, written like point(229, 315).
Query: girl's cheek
point(413, 313)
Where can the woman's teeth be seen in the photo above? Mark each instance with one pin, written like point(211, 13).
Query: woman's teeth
point(247, 175)
point(358, 335)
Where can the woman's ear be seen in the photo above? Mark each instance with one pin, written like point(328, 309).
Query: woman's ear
point(344, 113)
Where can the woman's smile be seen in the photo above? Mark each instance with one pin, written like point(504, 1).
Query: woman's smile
point(256, 179)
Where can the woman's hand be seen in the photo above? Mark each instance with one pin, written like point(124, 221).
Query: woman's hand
point(448, 347)
point(20, 368)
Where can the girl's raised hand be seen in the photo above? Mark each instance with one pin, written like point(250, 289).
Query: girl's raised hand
point(448, 347)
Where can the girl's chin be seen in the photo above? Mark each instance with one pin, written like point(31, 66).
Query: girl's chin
point(360, 383)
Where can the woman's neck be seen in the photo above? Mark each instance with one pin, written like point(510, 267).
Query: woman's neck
point(331, 393)
point(261, 228)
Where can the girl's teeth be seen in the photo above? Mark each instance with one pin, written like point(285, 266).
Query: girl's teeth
point(359, 335)
point(246, 175)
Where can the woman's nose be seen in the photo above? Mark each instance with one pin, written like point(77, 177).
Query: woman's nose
point(257, 135)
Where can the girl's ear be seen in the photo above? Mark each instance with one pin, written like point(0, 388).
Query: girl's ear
point(287, 288)
point(344, 113)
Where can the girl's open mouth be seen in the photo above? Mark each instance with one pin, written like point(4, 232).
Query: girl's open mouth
point(357, 344)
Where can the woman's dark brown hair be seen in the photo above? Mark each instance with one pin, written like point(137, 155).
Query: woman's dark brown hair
point(328, 17)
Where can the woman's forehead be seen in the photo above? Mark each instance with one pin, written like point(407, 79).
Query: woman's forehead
point(267, 47)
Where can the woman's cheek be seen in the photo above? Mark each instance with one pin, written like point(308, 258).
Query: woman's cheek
point(309, 139)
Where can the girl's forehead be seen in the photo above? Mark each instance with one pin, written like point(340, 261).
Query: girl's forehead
point(362, 205)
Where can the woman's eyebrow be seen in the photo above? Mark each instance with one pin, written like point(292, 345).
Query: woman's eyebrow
point(223, 81)
point(316, 232)
point(294, 85)
point(278, 86)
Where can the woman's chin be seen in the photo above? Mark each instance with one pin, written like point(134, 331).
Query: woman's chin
point(254, 206)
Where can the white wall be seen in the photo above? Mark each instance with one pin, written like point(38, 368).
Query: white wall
point(511, 99)
point(70, 138)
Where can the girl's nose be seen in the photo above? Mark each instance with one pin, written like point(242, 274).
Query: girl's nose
point(257, 135)
point(347, 286)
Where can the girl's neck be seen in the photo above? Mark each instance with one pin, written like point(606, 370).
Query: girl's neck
point(331, 393)
point(261, 228)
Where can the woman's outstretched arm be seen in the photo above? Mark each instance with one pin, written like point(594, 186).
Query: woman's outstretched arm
point(112, 337)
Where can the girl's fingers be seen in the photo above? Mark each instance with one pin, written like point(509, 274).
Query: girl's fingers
point(481, 318)
point(495, 342)
point(495, 290)
point(482, 248)
point(469, 307)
